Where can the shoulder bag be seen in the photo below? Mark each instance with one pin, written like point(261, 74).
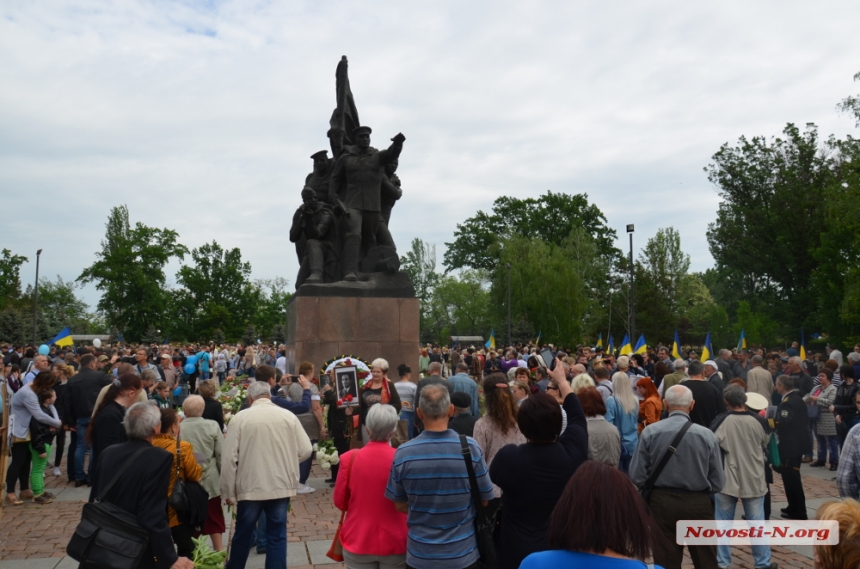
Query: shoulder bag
point(335, 552)
point(652, 480)
point(109, 537)
point(484, 524)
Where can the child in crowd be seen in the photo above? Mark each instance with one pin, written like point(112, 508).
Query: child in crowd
point(221, 368)
point(41, 436)
point(161, 395)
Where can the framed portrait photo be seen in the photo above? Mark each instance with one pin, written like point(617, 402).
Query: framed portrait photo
point(347, 386)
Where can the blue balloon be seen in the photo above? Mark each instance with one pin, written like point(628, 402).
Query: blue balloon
point(44, 349)
point(191, 360)
point(189, 369)
point(177, 391)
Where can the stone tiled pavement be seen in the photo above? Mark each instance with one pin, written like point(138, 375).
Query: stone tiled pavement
point(35, 537)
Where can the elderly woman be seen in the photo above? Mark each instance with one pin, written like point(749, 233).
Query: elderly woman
point(622, 410)
point(212, 409)
point(139, 490)
point(581, 381)
point(604, 442)
point(374, 532)
point(25, 406)
point(825, 427)
point(546, 461)
point(520, 391)
point(206, 438)
point(189, 470)
point(312, 422)
point(105, 427)
point(379, 389)
point(423, 363)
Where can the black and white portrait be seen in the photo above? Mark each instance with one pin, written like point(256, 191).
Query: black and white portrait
point(347, 384)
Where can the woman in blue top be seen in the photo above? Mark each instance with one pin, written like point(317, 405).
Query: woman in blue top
point(600, 522)
point(622, 410)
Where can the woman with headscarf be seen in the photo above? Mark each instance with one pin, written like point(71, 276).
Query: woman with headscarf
point(378, 389)
point(622, 410)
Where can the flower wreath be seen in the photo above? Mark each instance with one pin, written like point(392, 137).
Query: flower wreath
point(361, 366)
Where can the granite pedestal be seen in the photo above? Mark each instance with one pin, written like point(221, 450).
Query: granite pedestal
point(322, 327)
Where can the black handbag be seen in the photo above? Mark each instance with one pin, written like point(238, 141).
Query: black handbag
point(652, 480)
point(109, 537)
point(178, 499)
point(484, 523)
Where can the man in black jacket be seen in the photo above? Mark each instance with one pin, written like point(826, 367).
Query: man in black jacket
point(141, 490)
point(794, 443)
point(82, 392)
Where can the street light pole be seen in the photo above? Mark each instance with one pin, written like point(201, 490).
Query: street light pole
point(632, 290)
point(36, 296)
point(508, 265)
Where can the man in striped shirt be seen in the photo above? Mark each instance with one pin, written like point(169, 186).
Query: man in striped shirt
point(430, 483)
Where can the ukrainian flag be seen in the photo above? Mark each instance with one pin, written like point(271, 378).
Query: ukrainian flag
point(742, 342)
point(641, 347)
point(491, 343)
point(610, 347)
point(676, 347)
point(707, 350)
point(64, 338)
point(599, 340)
point(626, 350)
point(802, 345)
point(537, 342)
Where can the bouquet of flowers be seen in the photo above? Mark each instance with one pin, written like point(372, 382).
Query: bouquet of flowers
point(232, 395)
point(326, 454)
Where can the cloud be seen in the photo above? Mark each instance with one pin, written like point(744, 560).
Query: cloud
point(201, 116)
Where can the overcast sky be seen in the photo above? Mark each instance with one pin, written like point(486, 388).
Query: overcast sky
point(201, 116)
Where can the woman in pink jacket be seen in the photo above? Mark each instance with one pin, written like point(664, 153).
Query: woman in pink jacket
point(374, 533)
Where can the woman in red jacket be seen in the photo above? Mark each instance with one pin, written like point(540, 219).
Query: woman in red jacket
point(373, 533)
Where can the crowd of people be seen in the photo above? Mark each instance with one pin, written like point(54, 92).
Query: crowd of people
point(558, 460)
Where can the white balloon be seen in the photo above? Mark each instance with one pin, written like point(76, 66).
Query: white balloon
point(97, 343)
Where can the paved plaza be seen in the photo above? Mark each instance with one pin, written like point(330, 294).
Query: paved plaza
point(35, 537)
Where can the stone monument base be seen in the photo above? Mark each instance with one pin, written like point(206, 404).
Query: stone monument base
point(322, 327)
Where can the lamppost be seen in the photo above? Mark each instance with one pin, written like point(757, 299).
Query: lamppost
point(36, 296)
point(632, 290)
point(508, 265)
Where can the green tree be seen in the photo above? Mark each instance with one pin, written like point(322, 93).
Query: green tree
point(419, 263)
point(549, 219)
point(767, 227)
point(271, 313)
point(660, 271)
point(129, 272)
point(219, 290)
point(59, 305)
point(10, 277)
point(554, 287)
point(463, 304)
point(851, 105)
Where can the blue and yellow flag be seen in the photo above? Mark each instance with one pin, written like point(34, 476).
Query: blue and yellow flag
point(599, 340)
point(802, 345)
point(626, 349)
point(537, 342)
point(676, 346)
point(610, 347)
point(742, 342)
point(491, 343)
point(64, 338)
point(706, 349)
point(641, 347)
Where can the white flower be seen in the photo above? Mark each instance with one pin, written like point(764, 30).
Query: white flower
point(334, 454)
point(335, 460)
point(325, 465)
point(316, 447)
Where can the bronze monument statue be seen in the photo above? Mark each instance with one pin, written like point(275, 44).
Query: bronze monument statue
point(341, 229)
